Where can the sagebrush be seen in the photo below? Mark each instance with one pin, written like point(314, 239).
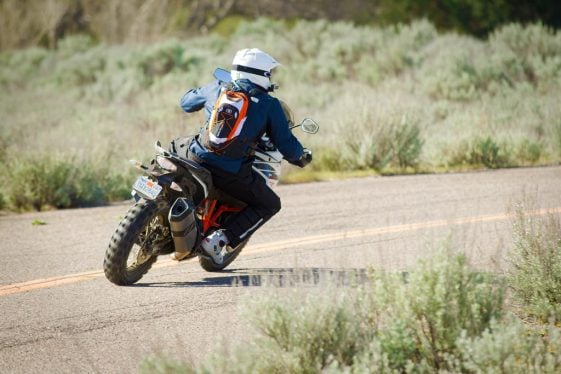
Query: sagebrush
point(535, 265)
point(443, 316)
point(395, 99)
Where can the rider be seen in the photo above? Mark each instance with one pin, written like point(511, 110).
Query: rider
point(251, 73)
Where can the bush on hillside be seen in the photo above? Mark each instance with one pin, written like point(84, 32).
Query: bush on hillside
point(557, 136)
point(168, 57)
point(513, 55)
point(467, 102)
point(81, 68)
point(381, 142)
point(487, 152)
point(20, 67)
point(73, 44)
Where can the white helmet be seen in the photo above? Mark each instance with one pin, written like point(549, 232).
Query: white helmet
point(255, 65)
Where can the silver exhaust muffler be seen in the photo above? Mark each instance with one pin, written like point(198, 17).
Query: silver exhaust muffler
point(183, 226)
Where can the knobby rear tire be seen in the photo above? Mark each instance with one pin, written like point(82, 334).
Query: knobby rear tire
point(209, 265)
point(117, 253)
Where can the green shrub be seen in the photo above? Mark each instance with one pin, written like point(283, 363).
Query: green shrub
point(504, 347)
point(119, 84)
point(322, 333)
point(81, 68)
point(481, 152)
point(73, 44)
point(79, 61)
point(161, 59)
point(509, 347)
point(167, 57)
point(20, 66)
point(487, 152)
point(447, 299)
point(441, 317)
point(379, 143)
point(514, 55)
point(327, 159)
point(372, 150)
point(529, 152)
point(529, 54)
point(451, 68)
point(162, 364)
point(557, 137)
point(400, 46)
point(527, 41)
point(41, 182)
point(407, 143)
point(535, 265)
point(384, 324)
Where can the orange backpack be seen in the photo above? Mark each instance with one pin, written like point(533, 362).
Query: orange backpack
point(226, 123)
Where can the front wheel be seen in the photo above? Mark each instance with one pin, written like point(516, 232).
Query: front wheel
point(131, 253)
point(209, 265)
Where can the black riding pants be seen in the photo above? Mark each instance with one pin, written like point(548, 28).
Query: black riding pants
point(249, 187)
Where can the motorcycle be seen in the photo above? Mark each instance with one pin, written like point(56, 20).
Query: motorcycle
point(176, 206)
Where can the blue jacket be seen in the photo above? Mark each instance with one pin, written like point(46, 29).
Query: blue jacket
point(265, 116)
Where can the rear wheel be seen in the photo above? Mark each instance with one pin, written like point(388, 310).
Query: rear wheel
point(209, 265)
point(134, 246)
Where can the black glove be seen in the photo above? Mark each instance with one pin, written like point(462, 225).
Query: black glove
point(305, 159)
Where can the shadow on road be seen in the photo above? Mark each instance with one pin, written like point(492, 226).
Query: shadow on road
point(274, 277)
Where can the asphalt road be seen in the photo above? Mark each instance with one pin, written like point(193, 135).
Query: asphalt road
point(60, 315)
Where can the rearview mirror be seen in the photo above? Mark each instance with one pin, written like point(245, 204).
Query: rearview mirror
point(222, 75)
point(309, 125)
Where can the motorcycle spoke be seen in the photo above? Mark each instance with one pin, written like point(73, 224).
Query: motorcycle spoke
point(142, 251)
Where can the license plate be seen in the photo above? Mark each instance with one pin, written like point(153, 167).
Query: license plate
point(147, 188)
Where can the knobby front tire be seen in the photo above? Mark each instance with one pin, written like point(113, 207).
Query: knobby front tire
point(133, 225)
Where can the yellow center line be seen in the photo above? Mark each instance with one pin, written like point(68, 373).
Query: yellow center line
point(48, 282)
point(283, 244)
point(389, 230)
